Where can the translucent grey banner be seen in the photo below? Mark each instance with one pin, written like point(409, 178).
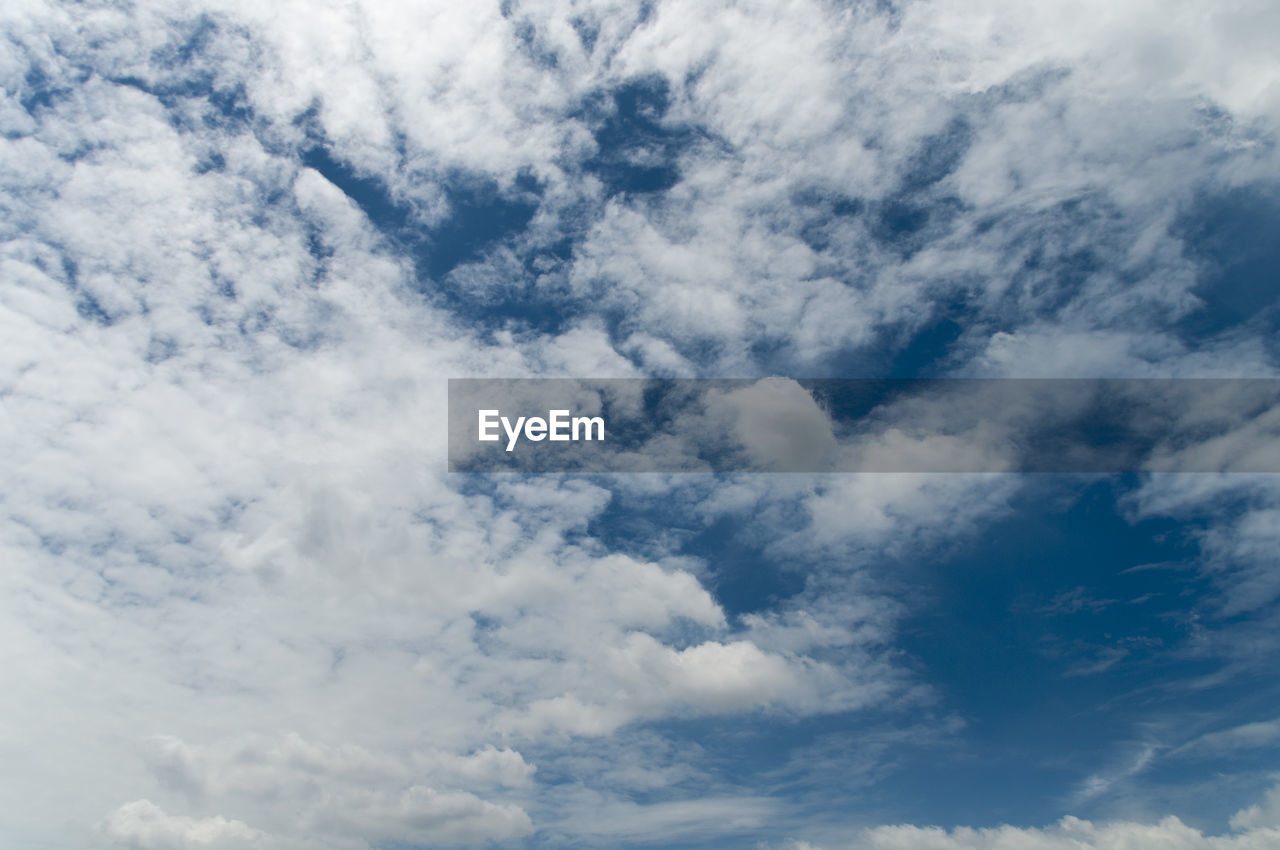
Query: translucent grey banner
point(865, 425)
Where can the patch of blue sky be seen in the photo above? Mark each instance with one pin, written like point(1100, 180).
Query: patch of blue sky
point(224, 108)
point(480, 217)
point(1232, 236)
point(637, 150)
point(637, 153)
point(742, 575)
point(39, 91)
point(1052, 639)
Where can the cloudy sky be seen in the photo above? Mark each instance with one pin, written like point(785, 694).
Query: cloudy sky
point(246, 242)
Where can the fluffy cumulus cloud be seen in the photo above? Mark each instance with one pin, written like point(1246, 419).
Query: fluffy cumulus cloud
point(242, 244)
point(1070, 833)
point(1253, 827)
point(143, 824)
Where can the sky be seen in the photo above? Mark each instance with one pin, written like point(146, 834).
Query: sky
point(244, 245)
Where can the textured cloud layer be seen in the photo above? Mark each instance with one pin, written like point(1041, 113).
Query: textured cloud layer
point(243, 244)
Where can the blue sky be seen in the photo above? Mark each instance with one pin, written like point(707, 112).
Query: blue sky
point(243, 604)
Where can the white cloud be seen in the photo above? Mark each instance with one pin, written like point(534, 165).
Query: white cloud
point(1102, 782)
point(604, 819)
point(1069, 834)
point(144, 825)
point(1263, 816)
point(1236, 547)
point(1247, 736)
point(645, 679)
point(348, 791)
